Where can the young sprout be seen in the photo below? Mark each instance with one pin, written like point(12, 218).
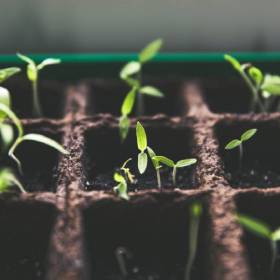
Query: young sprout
point(195, 214)
point(121, 187)
point(33, 75)
point(131, 73)
point(179, 164)
point(262, 230)
point(156, 165)
point(127, 173)
point(8, 180)
point(142, 147)
point(248, 134)
point(6, 73)
point(261, 86)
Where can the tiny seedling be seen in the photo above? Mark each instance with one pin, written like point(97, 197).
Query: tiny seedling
point(262, 86)
point(142, 147)
point(33, 75)
point(121, 187)
point(179, 164)
point(127, 173)
point(156, 165)
point(8, 180)
point(262, 230)
point(248, 134)
point(195, 214)
point(131, 73)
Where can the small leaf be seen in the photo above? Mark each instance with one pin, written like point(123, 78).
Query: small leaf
point(196, 209)
point(8, 179)
point(255, 226)
point(6, 73)
point(7, 135)
point(165, 160)
point(26, 58)
point(141, 137)
point(265, 94)
point(121, 189)
point(48, 61)
point(150, 51)
point(5, 99)
point(119, 178)
point(44, 140)
point(275, 236)
point(152, 91)
point(233, 144)
point(124, 125)
point(256, 74)
point(248, 134)
point(234, 62)
point(271, 84)
point(152, 154)
point(129, 69)
point(142, 162)
point(128, 102)
point(186, 162)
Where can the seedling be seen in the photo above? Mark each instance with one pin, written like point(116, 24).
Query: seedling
point(195, 214)
point(262, 230)
point(262, 86)
point(248, 134)
point(179, 164)
point(8, 180)
point(131, 73)
point(156, 165)
point(33, 75)
point(121, 187)
point(6, 73)
point(142, 147)
point(127, 173)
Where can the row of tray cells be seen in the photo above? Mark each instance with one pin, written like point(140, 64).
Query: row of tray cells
point(154, 233)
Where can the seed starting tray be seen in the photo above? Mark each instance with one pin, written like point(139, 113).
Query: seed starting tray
point(62, 230)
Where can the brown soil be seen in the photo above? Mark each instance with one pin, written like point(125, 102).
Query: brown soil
point(70, 223)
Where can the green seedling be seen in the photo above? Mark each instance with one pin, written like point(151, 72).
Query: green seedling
point(156, 165)
point(121, 187)
point(6, 73)
point(142, 147)
point(262, 86)
point(179, 164)
point(21, 137)
point(262, 230)
point(8, 180)
point(33, 76)
point(127, 173)
point(195, 214)
point(131, 73)
point(248, 134)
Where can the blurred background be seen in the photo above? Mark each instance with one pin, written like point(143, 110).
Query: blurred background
point(127, 25)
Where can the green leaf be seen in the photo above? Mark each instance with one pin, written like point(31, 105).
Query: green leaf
point(128, 102)
point(186, 162)
point(121, 189)
point(8, 179)
point(7, 135)
point(165, 160)
point(248, 134)
point(119, 178)
point(26, 58)
point(141, 137)
point(152, 91)
point(129, 69)
point(234, 62)
point(5, 99)
point(6, 73)
point(271, 84)
point(142, 162)
point(256, 74)
point(48, 61)
point(275, 236)
point(196, 209)
point(233, 144)
point(152, 154)
point(44, 140)
point(124, 125)
point(255, 226)
point(150, 51)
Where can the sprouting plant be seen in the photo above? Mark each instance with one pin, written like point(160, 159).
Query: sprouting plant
point(179, 164)
point(195, 214)
point(21, 137)
point(6, 73)
point(263, 87)
point(261, 229)
point(156, 165)
point(248, 134)
point(142, 147)
point(121, 187)
point(131, 73)
point(8, 180)
point(33, 75)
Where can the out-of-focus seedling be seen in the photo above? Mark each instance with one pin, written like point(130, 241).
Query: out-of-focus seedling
point(141, 138)
point(127, 173)
point(248, 134)
point(6, 73)
point(8, 180)
point(262, 230)
point(179, 164)
point(121, 187)
point(33, 75)
point(195, 214)
point(264, 87)
point(131, 73)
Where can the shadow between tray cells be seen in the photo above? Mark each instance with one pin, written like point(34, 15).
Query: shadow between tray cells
point(24, 239)
point(104, 154)
point(265, 208)
point(260, 161)
point(107, 97)
point(153, 234)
